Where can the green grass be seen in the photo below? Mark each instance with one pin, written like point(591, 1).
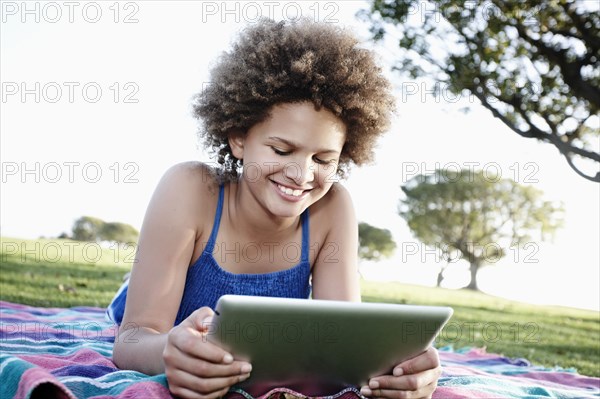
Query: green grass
point(63, 273)
point(545, 335)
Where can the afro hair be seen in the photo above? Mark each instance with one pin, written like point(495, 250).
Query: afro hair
point(290, 62)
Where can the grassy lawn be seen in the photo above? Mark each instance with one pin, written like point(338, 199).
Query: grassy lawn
point(545, 335)
point(63, 273)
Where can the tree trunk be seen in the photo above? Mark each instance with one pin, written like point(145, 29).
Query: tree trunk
point(473, 284)
point(440, 276)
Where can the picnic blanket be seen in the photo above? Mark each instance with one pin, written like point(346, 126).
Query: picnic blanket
point(66, 353)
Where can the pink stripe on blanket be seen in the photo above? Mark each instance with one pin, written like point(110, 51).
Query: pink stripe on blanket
point(27, 308)
point(43, 384)
point(79, 358)
point(568, 379)
point(148, 389)
point(543, 378)
point(461, 393)
point(47, 318)
point(472, 354)
point(14, 305)
point(452, 371)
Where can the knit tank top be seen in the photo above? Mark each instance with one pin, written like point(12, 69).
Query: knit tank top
point(206, 281)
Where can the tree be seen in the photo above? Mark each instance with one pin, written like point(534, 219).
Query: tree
point(88, 228)
point(374, 243)
point(119, 232)
point(533, 64)
point(476, 215)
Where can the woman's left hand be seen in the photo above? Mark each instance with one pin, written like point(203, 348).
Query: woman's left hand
point(414, 378)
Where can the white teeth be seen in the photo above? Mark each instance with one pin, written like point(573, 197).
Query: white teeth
point(289, 191)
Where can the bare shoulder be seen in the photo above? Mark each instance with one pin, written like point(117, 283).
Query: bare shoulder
point(191, 176)
point(337, 201)
point(335, 209)
point(190, 190)
point(194, 180)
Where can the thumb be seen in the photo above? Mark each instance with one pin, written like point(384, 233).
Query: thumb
point(201, 319)
point(424, 361)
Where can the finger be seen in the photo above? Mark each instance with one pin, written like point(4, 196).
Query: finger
point(408, 382)
point(424, 361)
point(204, 368)
point(196, 345)
point(204, 386)
point(421, 393)
point(200, 318)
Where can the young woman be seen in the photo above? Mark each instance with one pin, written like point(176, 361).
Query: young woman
point(289, 109)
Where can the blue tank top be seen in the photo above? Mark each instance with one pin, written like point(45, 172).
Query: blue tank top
point(206, 281)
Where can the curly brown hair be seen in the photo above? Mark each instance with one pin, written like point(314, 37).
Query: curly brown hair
point(289, 62)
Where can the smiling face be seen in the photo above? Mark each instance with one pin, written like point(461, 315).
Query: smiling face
point(290, 160)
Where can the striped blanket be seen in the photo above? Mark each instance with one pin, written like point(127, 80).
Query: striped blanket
point(66, 353)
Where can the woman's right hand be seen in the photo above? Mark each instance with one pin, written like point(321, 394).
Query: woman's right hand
point(196, 368)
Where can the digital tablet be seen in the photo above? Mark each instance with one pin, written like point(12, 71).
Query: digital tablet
point(318, 346)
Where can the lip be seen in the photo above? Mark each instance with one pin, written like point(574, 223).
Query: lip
point(289, 197)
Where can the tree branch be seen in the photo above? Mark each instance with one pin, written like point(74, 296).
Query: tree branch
point(571, 71)
point(589, 37)
point(565, 148)
point(576, 134)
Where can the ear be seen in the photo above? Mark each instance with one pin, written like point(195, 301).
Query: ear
point(236, 140)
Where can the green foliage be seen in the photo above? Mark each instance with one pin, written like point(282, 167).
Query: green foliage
point(374, 243)
point(88, 228)
point(534, 64)
point(475, 214)
point(119, 232)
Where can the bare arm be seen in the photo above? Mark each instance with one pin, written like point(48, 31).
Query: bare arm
point(146, 356)
point(335, 272)
point(158, 276)
point(148, 342)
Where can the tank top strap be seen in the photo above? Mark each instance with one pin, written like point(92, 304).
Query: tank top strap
point(217, 222)
point(213, 234)
point(305, 236)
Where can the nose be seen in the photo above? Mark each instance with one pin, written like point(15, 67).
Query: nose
point(301, 171)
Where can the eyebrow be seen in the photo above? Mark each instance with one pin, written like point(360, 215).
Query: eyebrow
point(295, 145)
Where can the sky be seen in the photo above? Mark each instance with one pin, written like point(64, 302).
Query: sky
point(96, 106)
